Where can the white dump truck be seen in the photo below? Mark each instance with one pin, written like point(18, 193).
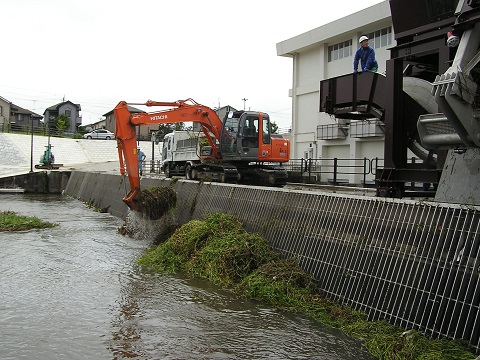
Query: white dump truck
point(180, 150)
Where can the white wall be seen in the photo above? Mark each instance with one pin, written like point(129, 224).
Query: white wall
point(309, 53)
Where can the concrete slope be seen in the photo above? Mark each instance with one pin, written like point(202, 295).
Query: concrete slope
point(15, 152)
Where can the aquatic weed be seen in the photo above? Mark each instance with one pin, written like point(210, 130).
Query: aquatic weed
point(11, 221)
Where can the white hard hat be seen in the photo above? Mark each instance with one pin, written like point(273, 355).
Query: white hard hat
point(362, 38)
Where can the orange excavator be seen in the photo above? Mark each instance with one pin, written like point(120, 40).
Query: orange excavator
point(242, 147)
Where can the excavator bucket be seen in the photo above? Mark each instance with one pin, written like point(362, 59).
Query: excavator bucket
point(153, 202)
point(132, 199)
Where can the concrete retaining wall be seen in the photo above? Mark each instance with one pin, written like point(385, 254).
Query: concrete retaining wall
point(38, 182)
point(415, 264)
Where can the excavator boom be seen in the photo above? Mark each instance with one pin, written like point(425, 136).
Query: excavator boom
point(180, 111)
point(241, 148)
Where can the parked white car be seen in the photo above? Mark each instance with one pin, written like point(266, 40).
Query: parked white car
point(99, 134)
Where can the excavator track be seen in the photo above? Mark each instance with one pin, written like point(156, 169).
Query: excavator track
point(270, 175)
point(215, 172)
point(261, 174)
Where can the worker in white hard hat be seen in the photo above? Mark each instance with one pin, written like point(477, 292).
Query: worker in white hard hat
point(366, 55)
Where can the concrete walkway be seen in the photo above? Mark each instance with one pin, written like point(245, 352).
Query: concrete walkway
point(74, 154)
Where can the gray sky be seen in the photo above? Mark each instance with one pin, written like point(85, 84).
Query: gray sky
point(99, 52)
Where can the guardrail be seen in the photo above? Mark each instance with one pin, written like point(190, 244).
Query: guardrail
point(336, 171)
point(37, 130)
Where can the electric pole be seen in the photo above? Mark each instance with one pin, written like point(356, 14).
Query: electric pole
point(244, 101)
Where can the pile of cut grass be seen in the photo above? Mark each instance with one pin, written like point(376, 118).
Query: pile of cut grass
point(220, 250)
point(11, 221)
point(217, 249)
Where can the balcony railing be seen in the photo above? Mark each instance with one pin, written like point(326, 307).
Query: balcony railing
point(331, 132)
point(368, 128)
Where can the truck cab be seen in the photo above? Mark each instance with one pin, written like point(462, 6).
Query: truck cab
point(180, 150)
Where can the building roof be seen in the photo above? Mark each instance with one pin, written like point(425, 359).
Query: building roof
point(2, 98)
point(19, 110)
point(334, 29)
point(133, 110)
point(57, 106)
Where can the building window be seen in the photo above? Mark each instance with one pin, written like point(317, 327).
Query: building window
point(68, 113)
point(340, 50)
point(380, 38)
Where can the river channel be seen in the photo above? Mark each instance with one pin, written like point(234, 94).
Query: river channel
point(74, 292)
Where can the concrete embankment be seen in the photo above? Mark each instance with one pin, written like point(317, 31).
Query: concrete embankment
point(16, 152)
point(412, 263)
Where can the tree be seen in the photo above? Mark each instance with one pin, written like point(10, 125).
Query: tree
point(62, 123)
point(273, 128)
point(169, 127)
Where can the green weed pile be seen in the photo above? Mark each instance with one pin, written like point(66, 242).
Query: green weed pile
point(220, 250)
point(217, 249)
point(11, 221)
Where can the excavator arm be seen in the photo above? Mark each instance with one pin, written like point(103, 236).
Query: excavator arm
point(179, 111)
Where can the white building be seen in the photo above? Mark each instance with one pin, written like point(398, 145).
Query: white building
point(327, 52)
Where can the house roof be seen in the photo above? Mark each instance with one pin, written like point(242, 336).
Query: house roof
point(57, 106)
point(19, 110)
point(133, 110)
point(228, 108)
point(7, 101)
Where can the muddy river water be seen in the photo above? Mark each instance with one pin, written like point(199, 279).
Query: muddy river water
point(74, 292)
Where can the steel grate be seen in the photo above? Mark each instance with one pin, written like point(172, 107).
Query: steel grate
point(414, 264)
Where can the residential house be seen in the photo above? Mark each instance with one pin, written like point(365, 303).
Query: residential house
point(16, 118)
point(68, 108)
point(4, 113)
point(143, 132)
point(101, 124)
point(23, 119)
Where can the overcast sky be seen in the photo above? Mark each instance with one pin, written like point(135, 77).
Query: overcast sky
point(99, 52)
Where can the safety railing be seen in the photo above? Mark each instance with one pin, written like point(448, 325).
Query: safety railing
point(335, 171)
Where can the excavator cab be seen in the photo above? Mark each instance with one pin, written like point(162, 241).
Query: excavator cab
point(244, 135)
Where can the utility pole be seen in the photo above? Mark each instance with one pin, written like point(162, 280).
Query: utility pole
point(244, 101)
point(31, 144)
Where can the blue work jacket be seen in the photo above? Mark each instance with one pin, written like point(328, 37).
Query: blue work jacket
point(366, 55)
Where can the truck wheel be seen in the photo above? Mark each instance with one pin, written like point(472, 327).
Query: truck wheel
point(188, 172)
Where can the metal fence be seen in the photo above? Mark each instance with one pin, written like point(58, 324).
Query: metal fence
point(37, 130)
point(336, 171)
point(415, 264)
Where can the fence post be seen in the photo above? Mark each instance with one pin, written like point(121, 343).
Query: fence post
point(364, 172)
point(309, 166)
point(335, 166)
point(412, 184)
